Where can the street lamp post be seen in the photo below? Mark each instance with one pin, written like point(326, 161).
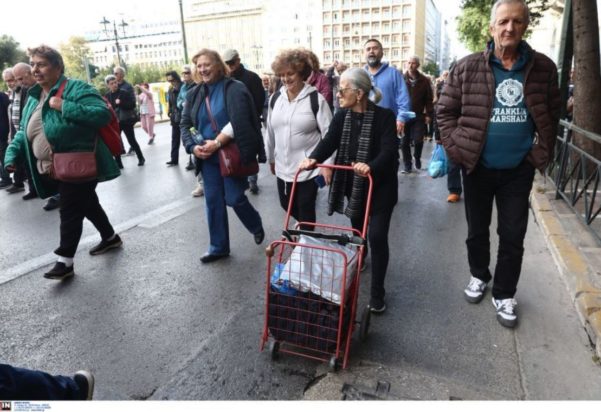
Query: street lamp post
point(257, 49)
point(181, 16)
point(105, 22)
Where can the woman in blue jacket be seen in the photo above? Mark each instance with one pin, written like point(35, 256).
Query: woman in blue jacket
point(229, 116)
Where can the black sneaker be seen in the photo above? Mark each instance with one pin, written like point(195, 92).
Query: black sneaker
point(15, 189)
point(474, 292)
point(377, 305)
point(190, 166)
point(418, 164)
point(60, 271)
point(4, 184)
point(106, 245)
point(254, 188)
point(85, 382)
point(259, 236)
point(51, 204)
point(506, 312)
point(29, 196)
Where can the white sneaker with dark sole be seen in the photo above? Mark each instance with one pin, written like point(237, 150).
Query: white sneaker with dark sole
point(506, 314)
point(474, 292)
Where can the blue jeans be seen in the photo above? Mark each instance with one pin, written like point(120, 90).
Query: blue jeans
point(454, 177)
point(219, 193)
point(17, 384)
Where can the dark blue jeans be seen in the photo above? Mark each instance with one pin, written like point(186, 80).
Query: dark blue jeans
point(510, 189)
point(219, 193)
point(176, 142)
point(17, 384)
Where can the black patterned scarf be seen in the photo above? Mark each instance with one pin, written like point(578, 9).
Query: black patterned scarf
point(355, 206)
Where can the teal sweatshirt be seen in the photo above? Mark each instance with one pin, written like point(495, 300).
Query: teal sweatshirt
point(511, 128)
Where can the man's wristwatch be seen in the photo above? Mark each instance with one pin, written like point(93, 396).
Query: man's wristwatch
point(218, 143)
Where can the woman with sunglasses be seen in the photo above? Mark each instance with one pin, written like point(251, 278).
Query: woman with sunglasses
point(363, 136)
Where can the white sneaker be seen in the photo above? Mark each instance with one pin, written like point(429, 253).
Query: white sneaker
point(506, 314)
point(474, 292)
point(199, 191)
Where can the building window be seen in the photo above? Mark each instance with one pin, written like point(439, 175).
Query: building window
point(407, 11)
point(406, 26)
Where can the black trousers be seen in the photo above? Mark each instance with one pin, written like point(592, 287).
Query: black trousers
point(510, 189)
point(4, 175)
point(414, 133)
point(377, 236)
point(23, 174)
point(79, 201)
point(303, 208)
point(128, 129)
point(176, 142)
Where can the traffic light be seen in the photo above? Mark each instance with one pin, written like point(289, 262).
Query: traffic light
point(93, 70)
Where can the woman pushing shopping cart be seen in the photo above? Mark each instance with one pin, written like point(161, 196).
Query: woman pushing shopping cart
point(364, 138)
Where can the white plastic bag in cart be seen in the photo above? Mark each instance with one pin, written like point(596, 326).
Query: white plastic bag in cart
point(320, 271)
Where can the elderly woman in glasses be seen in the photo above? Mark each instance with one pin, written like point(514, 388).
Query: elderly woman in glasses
point(298, 117)
point(65, 124)
point(220, 111)
point(363, 136)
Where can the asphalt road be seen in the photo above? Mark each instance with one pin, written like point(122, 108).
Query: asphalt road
point(153, 323)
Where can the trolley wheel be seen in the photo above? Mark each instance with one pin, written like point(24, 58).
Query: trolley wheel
point(334, 365)
point(274, 349)
point(364, 325)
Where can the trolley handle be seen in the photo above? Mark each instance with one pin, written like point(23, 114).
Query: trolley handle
point(342, 239)
point(334, 167)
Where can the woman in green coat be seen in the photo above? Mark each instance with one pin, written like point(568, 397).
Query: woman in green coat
point(70, 123)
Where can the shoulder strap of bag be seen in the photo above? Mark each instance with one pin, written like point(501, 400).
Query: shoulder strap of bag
point(213, 122)
point(61, 88)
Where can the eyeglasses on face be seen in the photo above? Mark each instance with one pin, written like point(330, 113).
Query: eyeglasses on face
point(343, 91)
point(186, 73)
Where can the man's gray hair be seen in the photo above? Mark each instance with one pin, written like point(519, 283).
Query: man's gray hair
point(22, 66)
point(8, 71)
point(109, 78)
point(119, 69)
point(493, 12)
point(416, 58)
point(187, 68)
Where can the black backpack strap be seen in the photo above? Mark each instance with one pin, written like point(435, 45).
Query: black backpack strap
point(274, 98)
point(315, 105)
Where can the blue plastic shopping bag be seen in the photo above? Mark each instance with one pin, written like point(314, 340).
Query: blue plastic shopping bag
point(439, 165)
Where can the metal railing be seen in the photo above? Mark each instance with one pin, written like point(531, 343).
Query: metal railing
point(576, 175)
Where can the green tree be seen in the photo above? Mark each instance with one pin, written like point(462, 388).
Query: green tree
point(74, 53)
point(431, 68)
point(10, 53)
point(473, 24)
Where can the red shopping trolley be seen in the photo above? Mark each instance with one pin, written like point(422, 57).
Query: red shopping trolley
point(312, 288)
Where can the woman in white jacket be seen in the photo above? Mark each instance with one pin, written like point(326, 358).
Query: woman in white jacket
point(298, 118)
